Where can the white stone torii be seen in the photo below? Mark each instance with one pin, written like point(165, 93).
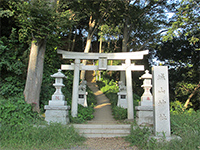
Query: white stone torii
point(103, 57)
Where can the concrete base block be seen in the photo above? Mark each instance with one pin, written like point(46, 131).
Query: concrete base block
point(57, 114)
point(57, 103)
point(144, 115)
point(165, 139)
point(122, 103)
point(83, 102)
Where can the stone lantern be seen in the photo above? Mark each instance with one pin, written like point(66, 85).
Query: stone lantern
point(144, 114)
point(122, 95)
point(58, 98)
point(147, 98)
point(57, 110)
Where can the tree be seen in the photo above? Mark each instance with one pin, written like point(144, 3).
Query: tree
point(185, 21)
point(183, 61)
point(179, 51)
point(39, 20)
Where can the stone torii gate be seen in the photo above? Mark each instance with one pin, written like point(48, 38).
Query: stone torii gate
point(103, 57)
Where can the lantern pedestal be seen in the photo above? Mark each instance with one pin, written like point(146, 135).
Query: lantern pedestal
point(57, 114)
point(144, 115)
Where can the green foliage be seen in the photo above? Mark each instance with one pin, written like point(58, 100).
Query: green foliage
point(29, 137)
point(41, 19)
point(15, 111)
point(110, 89)
point(21, 128)
point(185, 125)
point(183, 60)
point(12, 65)
point(177, 107)
point(84, 114)
point(139, 136)
point(119, 113)
point(185, 21)
point(91, 99)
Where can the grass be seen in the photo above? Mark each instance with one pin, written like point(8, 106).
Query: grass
point(185, 124)
point(26, 137)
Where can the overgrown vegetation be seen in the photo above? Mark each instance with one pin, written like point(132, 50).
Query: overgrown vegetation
point(21, 128)
point(27, 136)
point(184, 124)
point(85, 113)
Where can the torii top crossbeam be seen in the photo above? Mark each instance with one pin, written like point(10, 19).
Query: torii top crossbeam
point(110, 56)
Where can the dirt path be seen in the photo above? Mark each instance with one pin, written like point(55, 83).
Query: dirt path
point(105, 144)
point(102, 114)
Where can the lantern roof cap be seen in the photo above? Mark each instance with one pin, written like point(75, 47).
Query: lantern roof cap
point(147, 75)
point(59, 74)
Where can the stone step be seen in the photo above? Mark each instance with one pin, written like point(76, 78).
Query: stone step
point(103, 130)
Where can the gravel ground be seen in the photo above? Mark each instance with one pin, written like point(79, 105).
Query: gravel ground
point(105, 144)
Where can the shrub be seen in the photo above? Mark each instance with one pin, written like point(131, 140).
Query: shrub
point(119, 113)
point(84, 114)
point(139, 136)
point(91, 100)
point(15, 111)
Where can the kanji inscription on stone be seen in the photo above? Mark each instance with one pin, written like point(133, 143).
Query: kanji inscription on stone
point(161, 101)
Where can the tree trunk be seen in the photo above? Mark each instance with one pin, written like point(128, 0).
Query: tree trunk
point(88, 43)
point(191, 95)
point(124, 46)
point(35, 73)
point(69, 40)
point(74, 40)
point(87, 48)
point(100, 48)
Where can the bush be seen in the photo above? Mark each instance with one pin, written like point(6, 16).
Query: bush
point(119, 113)
point(91, 100)
point(15, 111)
point(84, 114)
point(139, 136)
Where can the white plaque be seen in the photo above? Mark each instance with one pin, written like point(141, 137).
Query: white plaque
point(102, 63)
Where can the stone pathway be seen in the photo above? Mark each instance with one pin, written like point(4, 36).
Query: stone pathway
point(103, 115)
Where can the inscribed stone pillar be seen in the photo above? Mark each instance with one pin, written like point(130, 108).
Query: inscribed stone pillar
point(161, 101)
point(74, 109)
point(129, 89)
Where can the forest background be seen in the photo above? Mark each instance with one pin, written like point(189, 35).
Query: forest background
point(31, 32)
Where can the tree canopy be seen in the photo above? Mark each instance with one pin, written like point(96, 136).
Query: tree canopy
point(185, 21)
point(81, 25)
